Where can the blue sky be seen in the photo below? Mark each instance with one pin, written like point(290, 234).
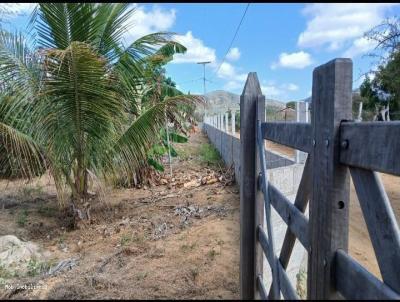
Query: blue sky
point(281, 42)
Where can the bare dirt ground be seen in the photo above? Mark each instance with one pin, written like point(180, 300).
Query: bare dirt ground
point(169, 241)
point(360, 246)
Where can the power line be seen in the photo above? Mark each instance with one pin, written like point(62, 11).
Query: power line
point(234, 37)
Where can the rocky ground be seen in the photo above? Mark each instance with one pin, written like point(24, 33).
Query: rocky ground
point(177, 239)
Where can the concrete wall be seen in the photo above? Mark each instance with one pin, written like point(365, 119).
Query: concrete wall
point(229, 148)
point(284, 174)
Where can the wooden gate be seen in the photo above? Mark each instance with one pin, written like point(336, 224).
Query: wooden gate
point(337, 149)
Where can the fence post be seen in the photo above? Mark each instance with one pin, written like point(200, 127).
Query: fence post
point(250, 262)
point(233, 126)
point(301, 116)
point(329, 204)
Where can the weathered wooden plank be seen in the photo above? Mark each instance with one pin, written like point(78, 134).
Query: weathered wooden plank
point(354, 282)
point(291, 134)
point(371, 145)
point(301, 201)
point(275, 293)
point(261, 288)
point(259, 208)
point(381, 223)
point(293, 217)
point(248, 101)
point(329, 210)
point(288, 292)
point(284, 283)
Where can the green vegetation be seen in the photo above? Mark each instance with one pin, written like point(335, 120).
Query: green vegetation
point(188, 247)
point(381, 94)
point(47, 211)
point(79, 102)
point(212, 254)
point(22, 218)
point(29, 192)
point(209, 154)
point(36, 267)
point(125, 239)
point(301, 285)
point(194, 272)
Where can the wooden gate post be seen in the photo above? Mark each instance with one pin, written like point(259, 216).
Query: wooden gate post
point(329, 205)
point(251, 213)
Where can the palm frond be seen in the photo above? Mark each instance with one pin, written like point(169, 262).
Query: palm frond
point(80, 109)
point(130, 149)
point(19, 154)
point(57, 25)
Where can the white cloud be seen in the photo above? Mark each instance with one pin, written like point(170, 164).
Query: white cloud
point(335, 25)
point(271, 91)
point(359, 46)
point(144, 22)
point(196, 50)
point(296, 60)
point(233, 54)
point(371, 74)
point(16, 9)
point(291, 87)
point(227, 71)
point(233, 86)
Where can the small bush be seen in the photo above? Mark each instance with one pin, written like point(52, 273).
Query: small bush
point(47, 211)
point(194, 272)
point(30, 192)
point(211, 254)
point(22, 218)
point(125, 239)
point(36, 267)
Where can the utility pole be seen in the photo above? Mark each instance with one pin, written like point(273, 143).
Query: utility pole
point(204, 79)
point(204, 74)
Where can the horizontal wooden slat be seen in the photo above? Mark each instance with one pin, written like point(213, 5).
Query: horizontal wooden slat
point(291, 134)
point(284, 283)
point(371, 145)
point(293, 217)
point(354, 282)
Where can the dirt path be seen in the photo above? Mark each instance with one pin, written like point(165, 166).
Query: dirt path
point(177, 242)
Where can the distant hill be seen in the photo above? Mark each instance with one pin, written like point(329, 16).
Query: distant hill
point(355, 93)
point(220, 101)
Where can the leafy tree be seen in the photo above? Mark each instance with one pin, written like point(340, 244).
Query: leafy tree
point(71, 96)
point(291, 105)
point(381, 95)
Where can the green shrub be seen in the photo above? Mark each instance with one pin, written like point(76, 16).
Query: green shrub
point(22, 218)
point(209, 154)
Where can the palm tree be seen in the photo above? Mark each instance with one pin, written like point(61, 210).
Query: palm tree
point(71, 94)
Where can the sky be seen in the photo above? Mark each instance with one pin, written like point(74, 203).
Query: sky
point(283, 43)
